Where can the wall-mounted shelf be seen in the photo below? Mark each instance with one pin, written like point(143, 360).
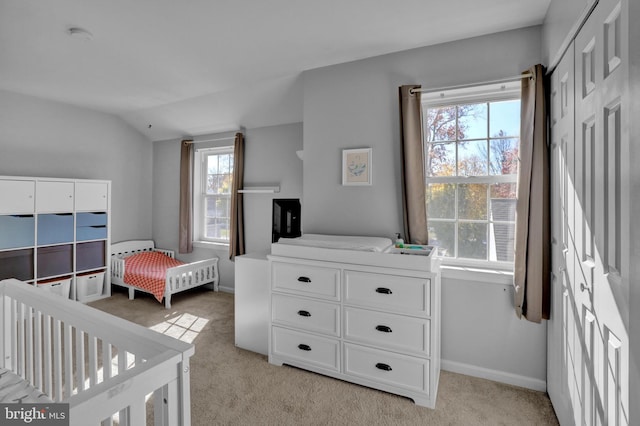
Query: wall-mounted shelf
point(259, 190)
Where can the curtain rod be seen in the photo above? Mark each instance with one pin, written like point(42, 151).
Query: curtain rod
point(210, 140)
point(465, 86)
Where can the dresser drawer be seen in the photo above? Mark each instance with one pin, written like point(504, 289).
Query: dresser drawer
point(306, 280)
point(385, 367)
point(306, 314)
point(387, 330)
point(304, 347)
point(406, 295)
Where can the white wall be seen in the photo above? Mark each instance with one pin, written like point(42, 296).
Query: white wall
point(52, 139)
point(270, 158)
point(560, 19)
point(481, 335)
point(356, 105)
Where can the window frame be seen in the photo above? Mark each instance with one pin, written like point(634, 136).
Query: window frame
point(200, 197)
point(486, 93)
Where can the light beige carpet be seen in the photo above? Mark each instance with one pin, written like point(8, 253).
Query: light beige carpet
point(232, 386)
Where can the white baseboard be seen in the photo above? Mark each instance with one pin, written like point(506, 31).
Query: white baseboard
point(226, 289)
point(495, 375)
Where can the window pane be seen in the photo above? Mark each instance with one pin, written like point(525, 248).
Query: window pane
point(472, 121)
point(225, 163)
point(503, 201)
point(503, 237)
point(217, 218)
point(505, 118)
point(441, 200)
point(442, 236)
point(504, 156)
point(217, 228)
point(472, 158)
point(212, 164)
point(472, 240)
point(218, 207)
point(441, 159)
point(440, 124)
point(472, 201)
point(215, 184)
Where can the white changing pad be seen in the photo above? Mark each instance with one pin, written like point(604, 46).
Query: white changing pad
point(14, 389)
point(342, 242)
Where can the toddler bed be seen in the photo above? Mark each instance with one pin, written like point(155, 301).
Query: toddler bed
point(138, 265)
point(61, 351)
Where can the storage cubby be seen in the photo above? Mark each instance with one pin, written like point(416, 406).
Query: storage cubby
point(55, 228)
point(16, 231)
point(90, 255)
point(55, 260)
point(53, 231)
point(17, 264)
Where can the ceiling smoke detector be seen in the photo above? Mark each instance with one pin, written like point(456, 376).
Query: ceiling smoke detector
point(79, 33)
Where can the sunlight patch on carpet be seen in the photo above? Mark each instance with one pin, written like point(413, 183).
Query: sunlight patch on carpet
point(185, 327)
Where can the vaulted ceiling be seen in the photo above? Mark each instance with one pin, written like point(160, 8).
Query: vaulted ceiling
point(189, 67)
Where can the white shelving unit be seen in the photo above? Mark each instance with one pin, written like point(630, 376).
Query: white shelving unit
point(55, 233)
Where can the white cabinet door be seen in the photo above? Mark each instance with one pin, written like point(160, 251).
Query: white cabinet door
point(17, 196)
point(54, 196)
point(252, 303)
point(92, 196)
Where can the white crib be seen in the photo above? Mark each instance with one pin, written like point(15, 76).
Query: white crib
point(103, 366)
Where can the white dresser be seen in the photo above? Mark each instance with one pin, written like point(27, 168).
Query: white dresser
point(367, 318)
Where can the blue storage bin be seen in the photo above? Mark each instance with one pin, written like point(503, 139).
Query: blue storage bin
point(17, 231)
point(84, 233)
point(55, 228)
point(91, 219)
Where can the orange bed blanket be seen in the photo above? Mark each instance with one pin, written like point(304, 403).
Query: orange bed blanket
point(148, 270)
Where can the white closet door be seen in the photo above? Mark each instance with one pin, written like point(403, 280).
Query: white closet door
point(590, 325)
point(562, 115)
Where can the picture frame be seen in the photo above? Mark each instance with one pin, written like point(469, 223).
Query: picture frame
point(357, 167)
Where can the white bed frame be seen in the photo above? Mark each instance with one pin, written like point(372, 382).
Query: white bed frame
point(178, 279)
point(101, 365)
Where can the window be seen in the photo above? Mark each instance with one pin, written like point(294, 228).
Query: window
point(471, 154)
point(213, 180)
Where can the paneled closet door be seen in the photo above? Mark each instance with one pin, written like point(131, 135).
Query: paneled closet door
point(561, 322)
point(594, 364)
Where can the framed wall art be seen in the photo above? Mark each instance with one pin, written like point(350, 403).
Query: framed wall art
point(356, 166)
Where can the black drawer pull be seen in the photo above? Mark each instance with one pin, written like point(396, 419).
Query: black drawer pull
point(304, 313)
point(383, 290)
point(304, 347)
point(383, 328)
point(385, 367)
point(304, 279)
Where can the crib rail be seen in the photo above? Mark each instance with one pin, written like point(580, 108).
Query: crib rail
point(101, 364)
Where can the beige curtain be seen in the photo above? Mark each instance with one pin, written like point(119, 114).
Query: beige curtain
point(532, 238)
point(186, 204)
point(236, 243)
point(413, 181)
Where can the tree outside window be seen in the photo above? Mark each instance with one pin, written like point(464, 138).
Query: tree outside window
point(471, 155)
